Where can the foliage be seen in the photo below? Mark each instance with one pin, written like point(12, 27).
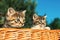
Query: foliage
point(18, 5)
point(28, 5)
point(55, 24)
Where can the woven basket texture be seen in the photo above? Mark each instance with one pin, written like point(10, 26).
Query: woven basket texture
point(28, 34)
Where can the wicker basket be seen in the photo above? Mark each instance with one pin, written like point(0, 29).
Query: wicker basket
point(28, 34)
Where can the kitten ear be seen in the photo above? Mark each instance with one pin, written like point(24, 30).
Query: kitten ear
point(24, 12)
point(45, 16)
point(35, 16)
point(10, 11)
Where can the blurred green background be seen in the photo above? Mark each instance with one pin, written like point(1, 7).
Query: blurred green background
point(28, 5)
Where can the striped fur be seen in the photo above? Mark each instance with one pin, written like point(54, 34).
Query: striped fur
point(14, 18)
point(39, 22)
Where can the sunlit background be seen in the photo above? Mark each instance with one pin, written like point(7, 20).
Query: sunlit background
point(50, 7)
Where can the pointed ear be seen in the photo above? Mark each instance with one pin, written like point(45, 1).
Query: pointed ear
point(35, 16)
point(10, 11)
point(23, 12)
point(45, 16)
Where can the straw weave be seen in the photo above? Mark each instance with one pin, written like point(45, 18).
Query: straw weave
point(28, 34)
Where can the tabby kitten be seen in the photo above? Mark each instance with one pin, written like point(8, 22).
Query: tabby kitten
point(39, 22)
point(14, 18)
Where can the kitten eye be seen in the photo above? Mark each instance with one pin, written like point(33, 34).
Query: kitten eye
point(16, 21)
point(43, 23)
point(7, 15)
point(37, 19)
point(23, 20)
point(43, 18)
point(12, 23)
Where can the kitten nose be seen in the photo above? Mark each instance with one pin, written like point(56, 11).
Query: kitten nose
point(18, 20)
point(41, 21)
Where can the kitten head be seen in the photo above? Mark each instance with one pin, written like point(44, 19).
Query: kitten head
point(15, 18)
point(39, 20)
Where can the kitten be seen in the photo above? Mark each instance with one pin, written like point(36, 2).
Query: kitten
point(39, 22)
point(14, 18)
